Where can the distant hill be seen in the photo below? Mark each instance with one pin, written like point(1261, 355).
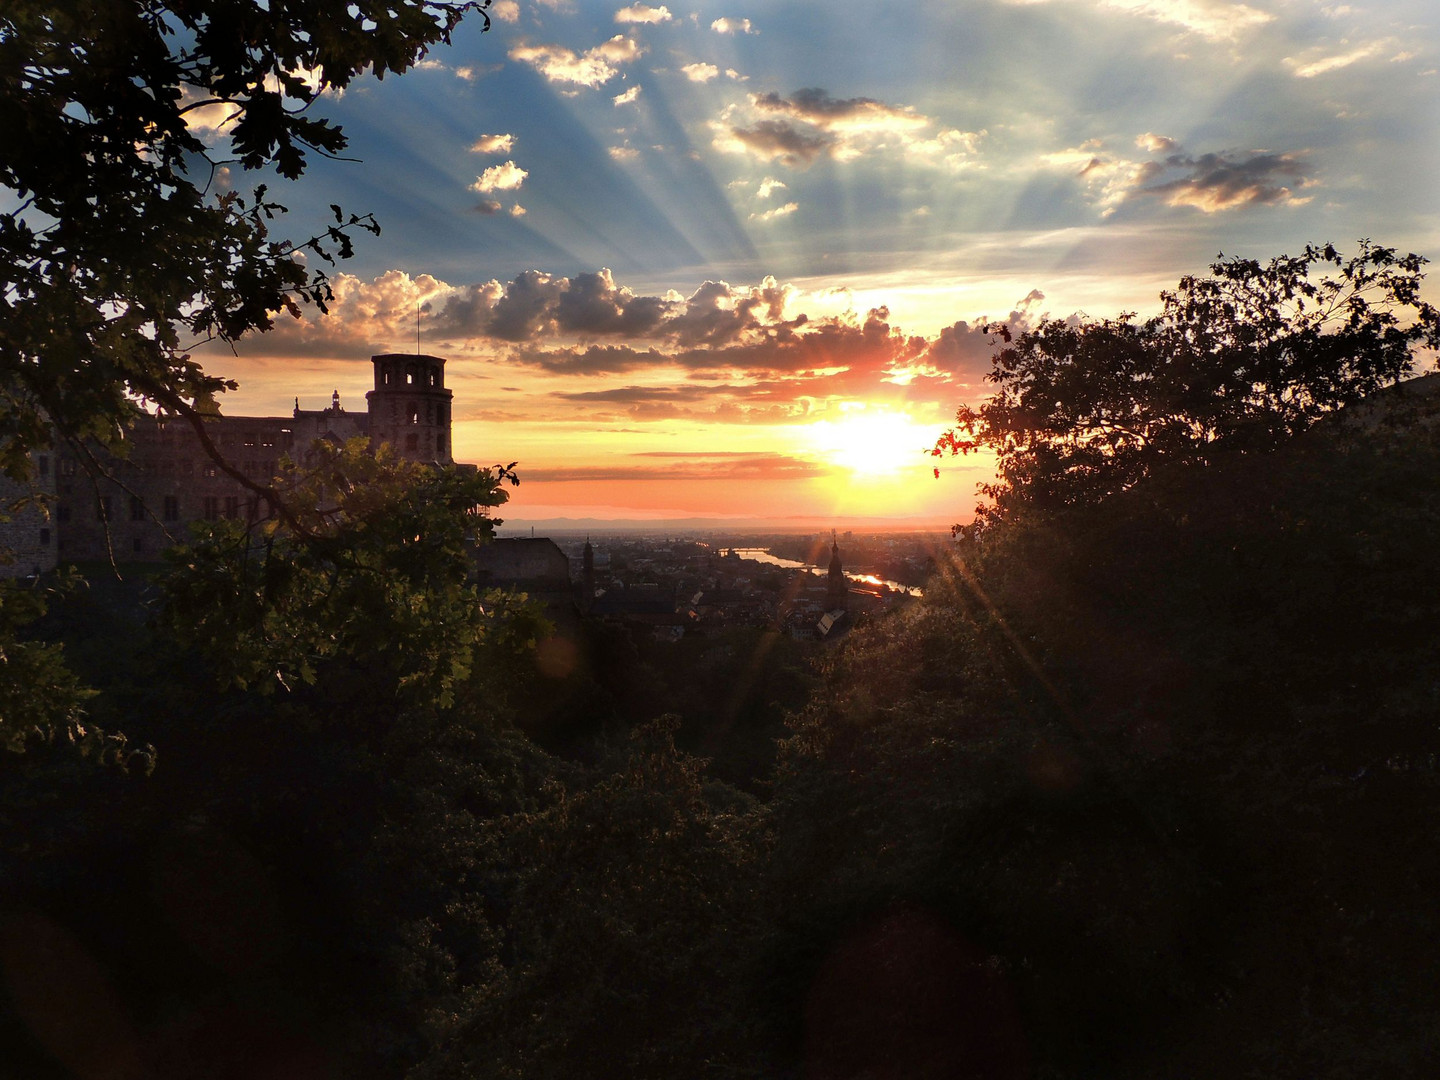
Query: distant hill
point(517, 526)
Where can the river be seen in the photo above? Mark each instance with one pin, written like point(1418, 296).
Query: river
point(762, 555)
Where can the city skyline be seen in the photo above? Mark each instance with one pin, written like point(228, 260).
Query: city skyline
point(733, 260)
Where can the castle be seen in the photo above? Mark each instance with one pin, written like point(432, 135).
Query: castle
point(167, 479)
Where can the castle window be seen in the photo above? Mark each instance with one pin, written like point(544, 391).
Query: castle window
point(434, 376)
point(412, 441)
point(232, 506)
point(171, 511)
point(102, 508)
point(249, 438)
point(414, 414)
point(67, 466)
point(212, 507)
point(209, 470)
point(137, 508)
point(410, 377)
point(440, 443)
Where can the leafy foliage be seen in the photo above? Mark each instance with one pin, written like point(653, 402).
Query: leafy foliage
point(367, 594)
point(625, 905)
point(120, 236)
point(1235, 363)
point(1138, 752)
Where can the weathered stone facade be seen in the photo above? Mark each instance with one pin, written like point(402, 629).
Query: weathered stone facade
point(167, 479)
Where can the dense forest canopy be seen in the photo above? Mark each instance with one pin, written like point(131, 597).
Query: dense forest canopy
point(1235, 363)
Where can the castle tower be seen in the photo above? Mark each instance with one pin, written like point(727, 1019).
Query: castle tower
point(837, 592)
point(410, 407)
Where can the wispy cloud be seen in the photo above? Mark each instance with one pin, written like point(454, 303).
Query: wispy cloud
point(1214, 20)
point(810, 123)
point(1211, 182)
point(1319, 62)
point(778, 212)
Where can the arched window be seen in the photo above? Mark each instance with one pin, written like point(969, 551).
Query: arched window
point(412, 441)
point(414, 414)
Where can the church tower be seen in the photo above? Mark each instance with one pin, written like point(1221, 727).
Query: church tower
point(837, 592)
point(410, 407)
point(587, 577)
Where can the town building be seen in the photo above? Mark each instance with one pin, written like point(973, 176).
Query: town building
point(131, 507)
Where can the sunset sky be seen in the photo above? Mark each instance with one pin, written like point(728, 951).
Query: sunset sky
point(729, 260)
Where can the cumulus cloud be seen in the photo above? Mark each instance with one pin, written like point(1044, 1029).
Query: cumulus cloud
point(700, 72)
point(206, 119)
point(775, 140)
point(518, 211)
point(506, 11)
point(493, 144)
point(488, 207)
point(1156, 144)
point(628, 97)
point(506, 177)
point(1214, 182)
point(725, 353)
point(727, 25)
point(643, 13)
point(619, 50)
point(592, 68)
point(767, 187)
point(623, 153)
point(364, 318)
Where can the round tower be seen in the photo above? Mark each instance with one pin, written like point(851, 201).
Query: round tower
point(410, 407)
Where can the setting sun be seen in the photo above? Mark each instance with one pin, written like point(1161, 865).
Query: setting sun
point(872, 442)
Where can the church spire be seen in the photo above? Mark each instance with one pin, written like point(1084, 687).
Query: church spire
point(836, 590)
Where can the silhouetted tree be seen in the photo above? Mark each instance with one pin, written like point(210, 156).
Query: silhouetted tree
point(1235, 363)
